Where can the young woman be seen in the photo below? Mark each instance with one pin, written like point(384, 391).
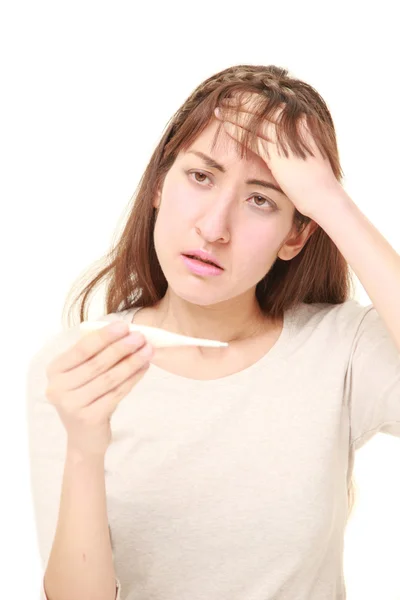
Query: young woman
point(215, 473)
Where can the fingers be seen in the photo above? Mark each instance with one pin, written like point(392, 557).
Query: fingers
point(241, 119)
point(100, 365)
point(100, 374)
point(88, 346)
point(110, 400)
point(110, 381)
point(238, 133)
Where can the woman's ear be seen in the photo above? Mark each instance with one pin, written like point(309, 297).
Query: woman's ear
point(157, 199)
point(295, 242)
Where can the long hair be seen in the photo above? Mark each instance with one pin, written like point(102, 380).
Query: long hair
point(318, 274)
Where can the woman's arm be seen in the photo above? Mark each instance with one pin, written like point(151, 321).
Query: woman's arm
point(81, 561)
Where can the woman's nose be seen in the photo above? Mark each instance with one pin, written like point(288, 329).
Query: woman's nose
point(215, 223)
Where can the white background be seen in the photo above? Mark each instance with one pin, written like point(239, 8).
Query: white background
point(86, 91)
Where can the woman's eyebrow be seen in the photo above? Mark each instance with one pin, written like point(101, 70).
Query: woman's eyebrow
point(210, 162)
point(213, 164)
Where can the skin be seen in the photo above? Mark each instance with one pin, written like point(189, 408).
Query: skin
point(218, 212)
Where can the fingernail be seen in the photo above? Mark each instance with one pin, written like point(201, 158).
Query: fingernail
point(118, 327)
point(146, 351)
point(133, 339)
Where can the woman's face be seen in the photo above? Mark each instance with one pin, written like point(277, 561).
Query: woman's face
point(243, 224)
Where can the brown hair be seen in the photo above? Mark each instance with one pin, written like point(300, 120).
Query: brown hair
point(317, 274)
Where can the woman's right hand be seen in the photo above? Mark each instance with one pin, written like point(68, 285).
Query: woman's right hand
point(87, 382)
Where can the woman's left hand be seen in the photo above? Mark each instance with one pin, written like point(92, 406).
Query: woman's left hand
point(306, 182)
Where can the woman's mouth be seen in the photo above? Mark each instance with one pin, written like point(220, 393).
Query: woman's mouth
point(200, 267)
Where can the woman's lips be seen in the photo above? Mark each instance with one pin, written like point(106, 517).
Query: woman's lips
point(201, 268)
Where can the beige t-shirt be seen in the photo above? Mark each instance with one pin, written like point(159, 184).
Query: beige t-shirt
point(234, 487)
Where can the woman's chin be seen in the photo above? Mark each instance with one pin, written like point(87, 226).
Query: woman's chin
point(196, 293)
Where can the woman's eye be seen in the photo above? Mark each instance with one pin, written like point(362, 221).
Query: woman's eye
point(199, 173)
point(265, 201)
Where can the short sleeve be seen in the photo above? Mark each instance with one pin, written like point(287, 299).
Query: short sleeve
point(47, 443)
point(373, 381)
